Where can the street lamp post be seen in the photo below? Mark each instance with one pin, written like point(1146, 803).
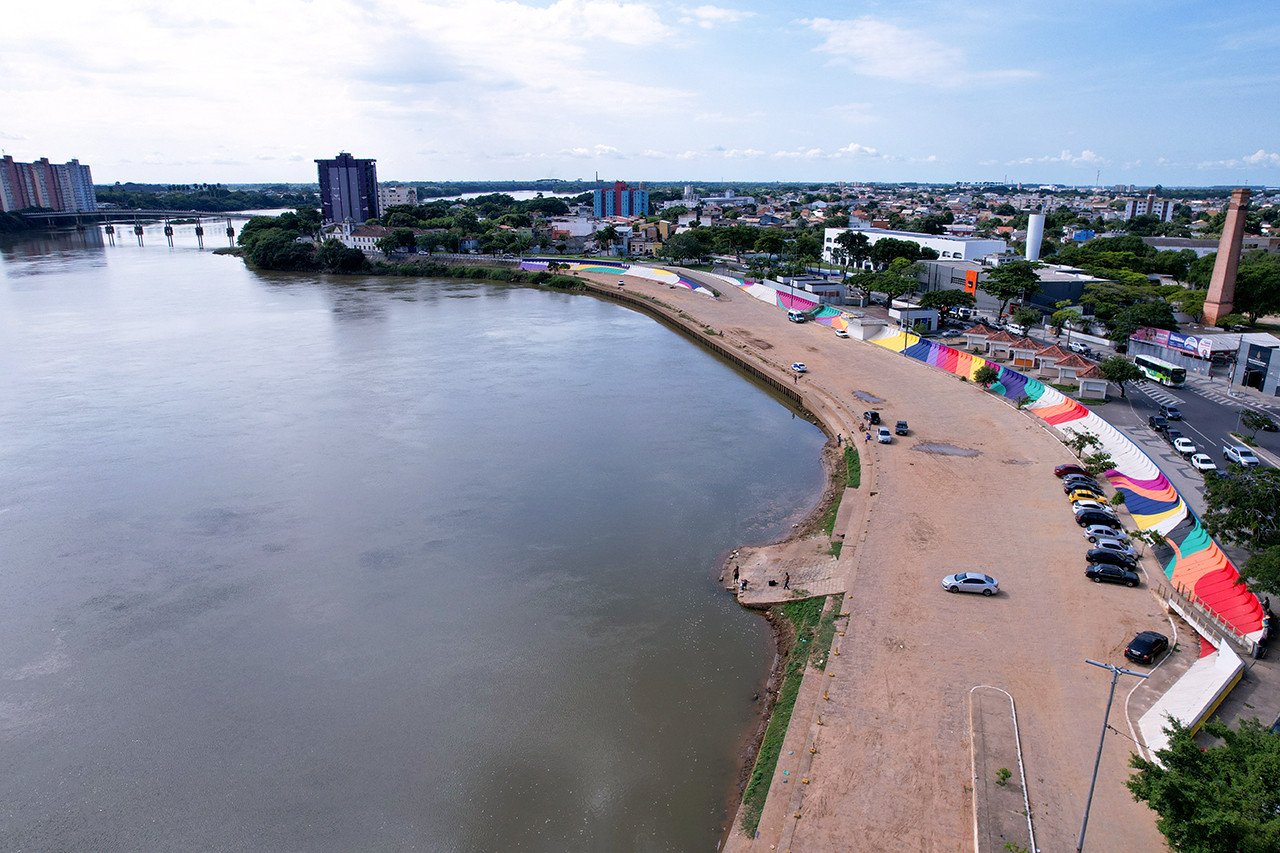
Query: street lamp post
point(1116, 672)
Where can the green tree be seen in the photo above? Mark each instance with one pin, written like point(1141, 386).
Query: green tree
point(1026, 316)
point(607, 236)
point(889, 249)
point(1127, 320)
point(1226, 321)
point(1262, 571)
point(684, 246)
point(332, 256)
point(945, 300)
point(1242, 509)
point(856, 247)
point(899, 279)
point(735, 238)
point(1224, 798)
point(771, 242)
point(1258, 285)
point(1201, 270)
point(1253, 420)
point(986, 375)
point(1012, 280)
point(1120, 370)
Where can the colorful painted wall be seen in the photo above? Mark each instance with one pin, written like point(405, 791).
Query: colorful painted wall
point(1199, 567)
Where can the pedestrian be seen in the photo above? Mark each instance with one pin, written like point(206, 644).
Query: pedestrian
point(786, 581)
point(868, 438)
point(735, 574)
point(839, 439)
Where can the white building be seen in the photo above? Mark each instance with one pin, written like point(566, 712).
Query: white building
point(389, 196)
point(1161, 208)
point(947, 246)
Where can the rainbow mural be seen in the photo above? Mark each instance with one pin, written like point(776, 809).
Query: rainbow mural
point(1199, 567)
point(658, 274)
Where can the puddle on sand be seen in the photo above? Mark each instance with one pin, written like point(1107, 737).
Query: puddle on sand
point(945, 449)
point(867, 398)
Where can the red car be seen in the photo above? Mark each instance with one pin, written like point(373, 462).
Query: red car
point(1064, 470)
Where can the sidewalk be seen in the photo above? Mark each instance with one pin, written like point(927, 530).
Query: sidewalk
point(1216, 389)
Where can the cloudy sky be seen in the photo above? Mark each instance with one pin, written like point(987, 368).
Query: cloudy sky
point(1142, 91)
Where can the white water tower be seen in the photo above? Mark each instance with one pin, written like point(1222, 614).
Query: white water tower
point(1035, 235)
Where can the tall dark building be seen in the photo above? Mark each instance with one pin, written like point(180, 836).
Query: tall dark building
point(348, 188)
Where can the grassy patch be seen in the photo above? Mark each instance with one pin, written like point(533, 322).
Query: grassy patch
point(804, 617)
point(852, 467)
point(829, 517)
point(834, 550)
point(827, 632)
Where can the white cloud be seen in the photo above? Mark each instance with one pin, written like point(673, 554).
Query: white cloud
point(853, 149)
point(1263, 158)
point(876, 48)
point(709, 17)
point(1085, 158)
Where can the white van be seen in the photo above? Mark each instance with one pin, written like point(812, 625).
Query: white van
point(796, 316)
point(1016, 329)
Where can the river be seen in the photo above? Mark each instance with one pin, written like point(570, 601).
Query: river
point(298, 562)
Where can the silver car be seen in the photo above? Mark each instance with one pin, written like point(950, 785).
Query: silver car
point(1118, 546)
point(1094, 532)
point(971, 582)
point(884, 436)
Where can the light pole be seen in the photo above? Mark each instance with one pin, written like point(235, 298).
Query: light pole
point(1116, 672)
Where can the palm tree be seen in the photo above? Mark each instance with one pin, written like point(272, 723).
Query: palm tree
point(608, 235)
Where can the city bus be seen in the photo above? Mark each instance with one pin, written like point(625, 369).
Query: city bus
point(1161, 371)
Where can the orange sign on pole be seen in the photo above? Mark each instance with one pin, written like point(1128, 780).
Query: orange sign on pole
point(971, 282)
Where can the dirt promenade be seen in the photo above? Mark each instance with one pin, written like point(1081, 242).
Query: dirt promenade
point(892, 768)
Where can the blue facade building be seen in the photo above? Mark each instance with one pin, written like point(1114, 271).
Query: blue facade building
point(620, 200)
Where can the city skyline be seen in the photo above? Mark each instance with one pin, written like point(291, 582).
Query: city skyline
point(499, 89)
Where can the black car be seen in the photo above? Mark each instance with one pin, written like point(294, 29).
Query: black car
point(872, 418)
point(1070, 484)
point(1110, 558)
point(900, 428)
point(1103, 573)
point(1094, 516)
point(1158, 423)
point(1172, 435)
point(1146, 647)
point(1170, 412)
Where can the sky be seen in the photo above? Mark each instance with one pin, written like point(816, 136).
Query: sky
point(239, 91)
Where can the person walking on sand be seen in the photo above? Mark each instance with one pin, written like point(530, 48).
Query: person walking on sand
point(786, 581)
point(868, 437)
point(735, 574)
point(839, 439)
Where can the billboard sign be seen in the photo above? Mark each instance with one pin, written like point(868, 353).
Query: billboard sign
point(1189, 344)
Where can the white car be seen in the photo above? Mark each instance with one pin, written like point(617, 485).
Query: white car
point(1184, 445)
point(841, 333)
point(1240, 455)
point(1115, 545)
point(798, 367)
point(884, 436)
point(1080, 506)
point(1094, 532)
point(971, 582)
point(1202, 462)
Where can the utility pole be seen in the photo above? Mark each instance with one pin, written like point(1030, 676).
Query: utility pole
point(1116, 672)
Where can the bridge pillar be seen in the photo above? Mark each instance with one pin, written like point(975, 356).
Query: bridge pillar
point(168, 233)
point(137, 230)
point(231, 234)
point(199, 234)
point(111, 233)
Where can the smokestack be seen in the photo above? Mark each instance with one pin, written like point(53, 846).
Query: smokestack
point(1035, 236)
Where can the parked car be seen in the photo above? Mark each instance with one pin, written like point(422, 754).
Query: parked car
point(1240, 455)
point(1112, 543)
point(1171, 435)
point(971, 582)
point(1158, 423)
point(1078, 348)
point(871, 417)
point(1070, 485)
point(884, 436)
point(841, 333)
point(1201, 462)
point(1171, 412)
point(1114, 558)
point(900, 428)
point(1068, 470)
point(1094, 532)
point(1185, 446)
point(1095, 517)
point(1146, 647)
point(1016, 329)
point(1102, 573)
point(1083, 494)
point(1081, 505)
